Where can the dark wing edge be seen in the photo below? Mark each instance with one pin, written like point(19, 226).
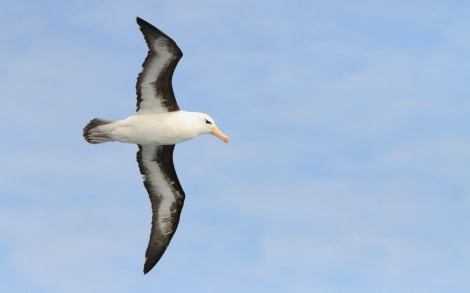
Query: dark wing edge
point(166, 197)
point(157, 72)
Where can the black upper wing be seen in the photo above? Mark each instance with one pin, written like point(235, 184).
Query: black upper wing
point(154, 88)
point(166, 196)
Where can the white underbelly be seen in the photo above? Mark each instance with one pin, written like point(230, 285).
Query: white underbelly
point(161, 129)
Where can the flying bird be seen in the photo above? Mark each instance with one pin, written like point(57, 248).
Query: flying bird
point(156, 127)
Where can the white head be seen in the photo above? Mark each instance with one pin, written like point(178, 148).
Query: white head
point(207, 125)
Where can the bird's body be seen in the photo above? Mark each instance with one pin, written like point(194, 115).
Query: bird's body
point(156, 127)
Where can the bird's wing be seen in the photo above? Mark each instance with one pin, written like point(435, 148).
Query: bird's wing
point(166, 196)
point(154, 89)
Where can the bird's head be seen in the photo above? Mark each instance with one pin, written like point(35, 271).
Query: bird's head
point(208, 126)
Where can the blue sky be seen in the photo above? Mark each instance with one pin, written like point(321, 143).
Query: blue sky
point(348, 166)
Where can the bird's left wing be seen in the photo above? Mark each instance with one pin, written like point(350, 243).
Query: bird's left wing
point(154, 88)
point(166, 196)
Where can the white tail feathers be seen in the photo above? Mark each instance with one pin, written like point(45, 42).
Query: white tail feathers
point(95, 133)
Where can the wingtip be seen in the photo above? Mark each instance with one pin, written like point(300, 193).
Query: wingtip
point(143, 23)
point(148, 28)
point(149, 262)
point(140, 21)
point(148, 267)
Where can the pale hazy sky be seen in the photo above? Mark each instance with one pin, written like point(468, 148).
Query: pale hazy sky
point(347, 171)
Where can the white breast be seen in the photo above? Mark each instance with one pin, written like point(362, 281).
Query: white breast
point(160, 129)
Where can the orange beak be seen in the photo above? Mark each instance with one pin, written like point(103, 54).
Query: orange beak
point(215, 131)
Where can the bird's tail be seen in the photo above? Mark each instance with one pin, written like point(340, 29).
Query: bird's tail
point(98, 131)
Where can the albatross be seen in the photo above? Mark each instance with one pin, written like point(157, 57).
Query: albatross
point(156, 127)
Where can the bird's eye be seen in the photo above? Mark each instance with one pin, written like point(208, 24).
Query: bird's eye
point(208, 122)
